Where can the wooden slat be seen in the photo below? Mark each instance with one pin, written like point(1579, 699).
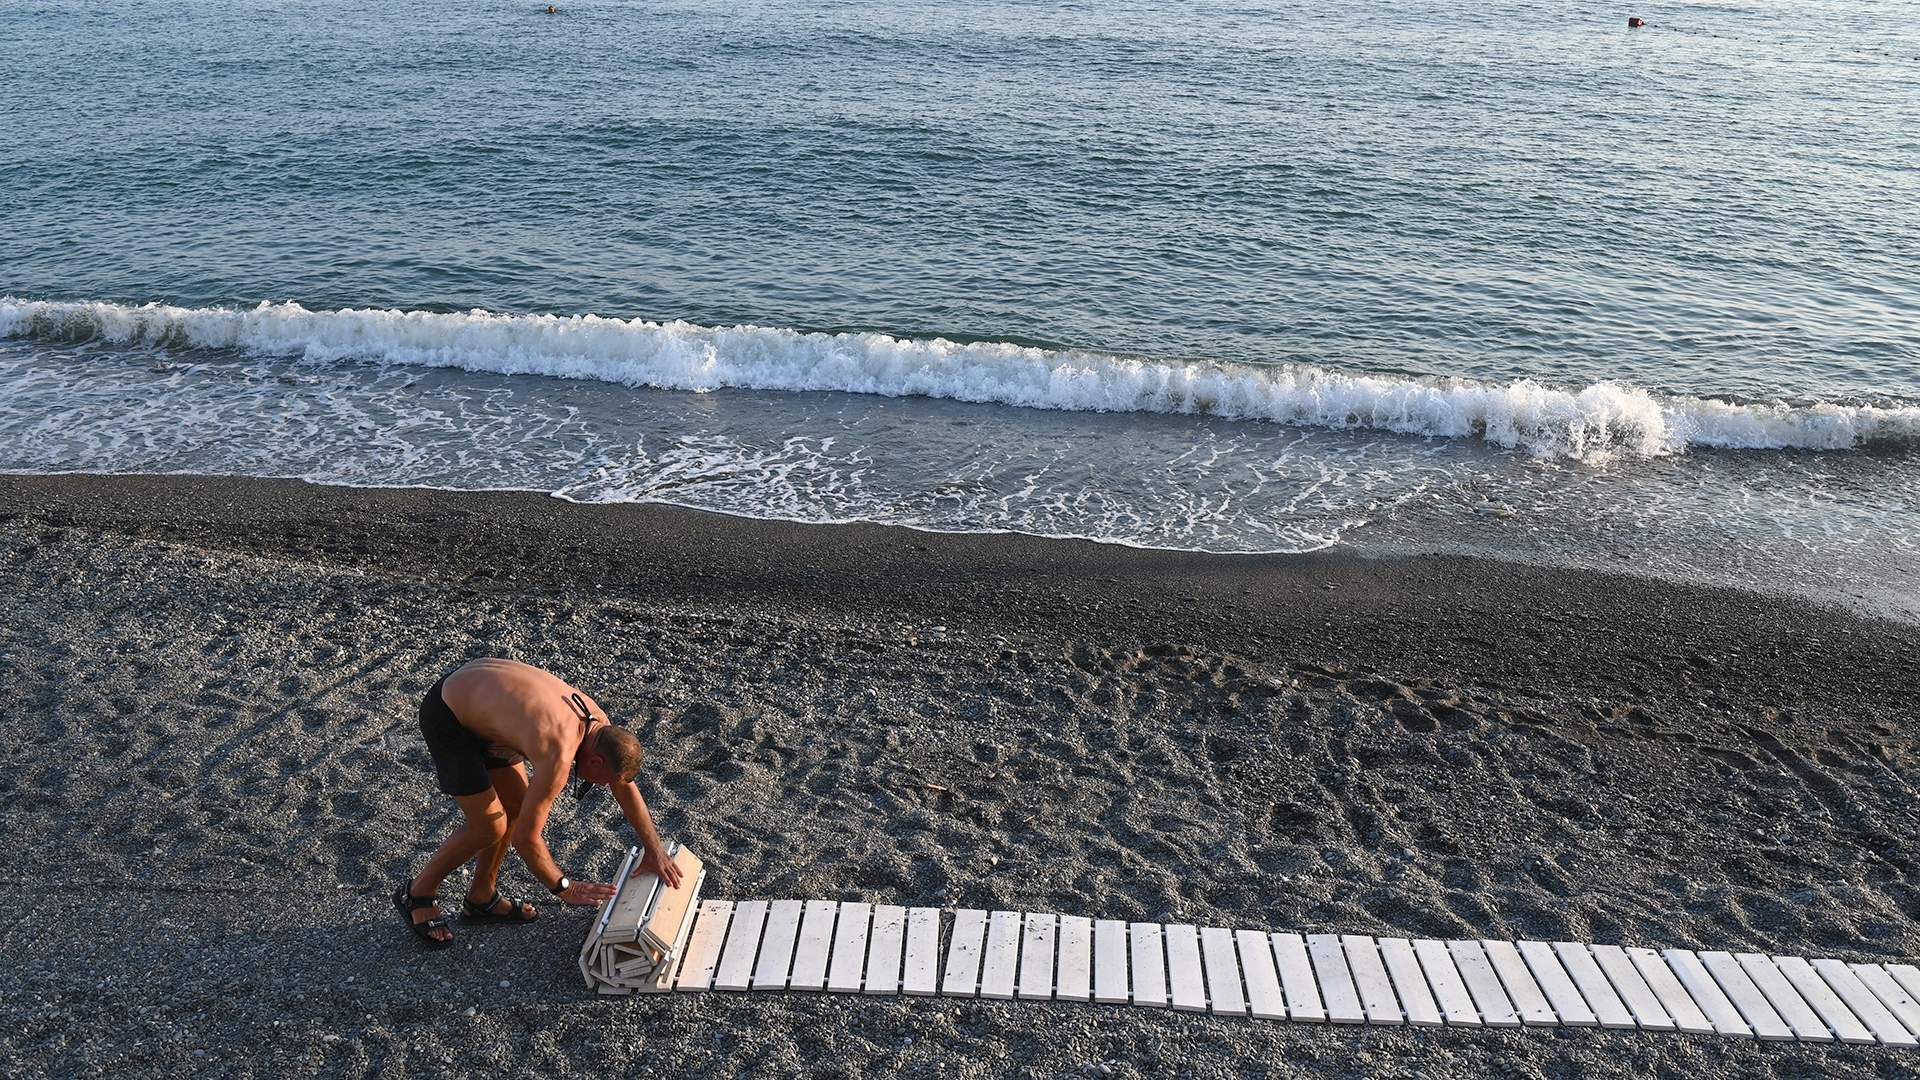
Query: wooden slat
point(1296, 977)
point(884, 944)
point(599, 932)
point(776, 947)
point(672, 908)
point(1706, 993)
point(1000, 963)
point(1075, 981)
point(703, 948)
point(1568, 1005)
point(1449, 989)
point(922, 975)
point(1806, 1024)
point(1149, 960)
point(1839, 1019)
point(1633, 990)
point(1528, 1002)
point(1263, 980)
point(1766, 1023)
point(963, 953)
point(1110, 961)
point(1477, 972)
point(849, 960)
point(1186, 986)
point(1409, 982)
point(1903, 1005)
point(1594, 987)
point(1908, 977)
point(1223, 972)
point(816, 944)
point(630, 899)
point(1864, 1004)
point(629, 962)
point(1336, 982)
point(1370, 979)
point(680, 933)
point(743, 944)
point(1673, 997)
point(1039, 931)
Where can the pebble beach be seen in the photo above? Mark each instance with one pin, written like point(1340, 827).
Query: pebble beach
point(214, 778)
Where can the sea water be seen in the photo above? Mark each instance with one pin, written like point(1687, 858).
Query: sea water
point(1496, 278)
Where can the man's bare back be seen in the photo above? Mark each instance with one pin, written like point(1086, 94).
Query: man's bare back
point(521, 709)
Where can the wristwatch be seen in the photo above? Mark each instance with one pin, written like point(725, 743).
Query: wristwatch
point(561, 887)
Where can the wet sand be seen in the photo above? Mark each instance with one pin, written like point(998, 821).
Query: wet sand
point(213, 777)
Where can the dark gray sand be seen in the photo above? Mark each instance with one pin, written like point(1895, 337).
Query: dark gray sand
point(212, 778)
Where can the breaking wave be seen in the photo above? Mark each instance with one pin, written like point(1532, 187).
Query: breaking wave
point(1594, 423)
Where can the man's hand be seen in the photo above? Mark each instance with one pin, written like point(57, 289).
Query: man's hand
point(657, 862)
point(586, 893)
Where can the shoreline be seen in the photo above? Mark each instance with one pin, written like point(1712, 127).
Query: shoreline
point(213, 777)
point(1629, 631)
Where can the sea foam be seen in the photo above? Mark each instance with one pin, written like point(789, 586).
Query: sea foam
point(1593, 423)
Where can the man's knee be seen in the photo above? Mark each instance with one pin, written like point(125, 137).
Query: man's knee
point(490, 824)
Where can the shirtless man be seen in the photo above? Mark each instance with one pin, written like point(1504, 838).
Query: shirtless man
point(481, 722)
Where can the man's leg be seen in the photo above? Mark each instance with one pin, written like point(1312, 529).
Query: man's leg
point(485, 827)
point(510, 785)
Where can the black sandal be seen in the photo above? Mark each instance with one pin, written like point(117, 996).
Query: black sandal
point(408, 903)
point(520, 911)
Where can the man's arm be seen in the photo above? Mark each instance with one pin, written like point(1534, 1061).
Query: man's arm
point(634, 805)
point(549, 779)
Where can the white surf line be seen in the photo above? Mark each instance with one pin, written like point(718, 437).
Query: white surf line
point(1262, 976)
point(1595, 422)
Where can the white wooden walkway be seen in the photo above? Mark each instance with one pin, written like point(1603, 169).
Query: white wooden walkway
point(858, 948)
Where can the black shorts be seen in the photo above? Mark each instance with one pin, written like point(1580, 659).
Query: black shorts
point(460, 758)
